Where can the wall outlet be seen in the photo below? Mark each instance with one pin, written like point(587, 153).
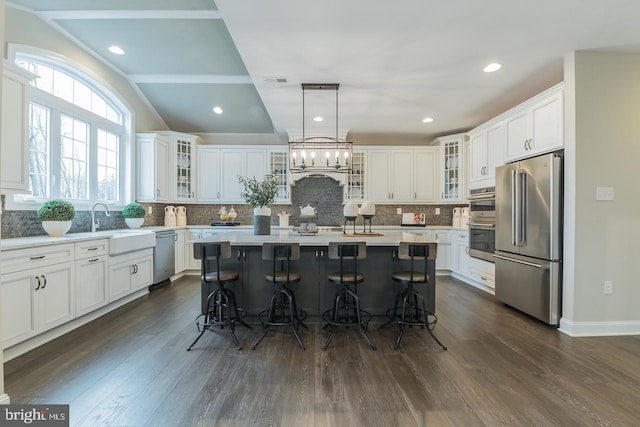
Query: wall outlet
point(437, 211)
point(608, 287)
point(399, 211)
point(150, 210)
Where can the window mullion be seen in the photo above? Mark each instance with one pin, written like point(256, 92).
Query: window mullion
point(54, 159)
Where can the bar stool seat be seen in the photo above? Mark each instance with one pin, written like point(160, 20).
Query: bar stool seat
point(222, 309)
point(283, 310)
point(409, 302)
point(346, 311)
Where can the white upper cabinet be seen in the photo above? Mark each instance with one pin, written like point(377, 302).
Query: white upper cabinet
point(184, 164)
point(153, 168)
point(486, 150)
point(537, 126)
point(219, 168)
point(452, 170)
point(402, 175)
point(208, 170)
point(279, 164)
point(14, 151)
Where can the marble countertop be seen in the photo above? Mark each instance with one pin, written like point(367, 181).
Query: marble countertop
point(241, 234)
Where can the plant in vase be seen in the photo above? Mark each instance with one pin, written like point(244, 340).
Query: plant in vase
point(260, 194)
point(133, 214)
point(56, 216)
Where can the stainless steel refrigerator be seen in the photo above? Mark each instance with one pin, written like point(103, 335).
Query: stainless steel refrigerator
point(528, 251)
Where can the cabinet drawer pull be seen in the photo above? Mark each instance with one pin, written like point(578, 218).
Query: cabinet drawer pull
point(44, 281)
point(92, 249)
point(94, 260)
point(37, 257)
point(38, 280)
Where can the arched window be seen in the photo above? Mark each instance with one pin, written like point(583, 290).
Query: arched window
point(79, 135)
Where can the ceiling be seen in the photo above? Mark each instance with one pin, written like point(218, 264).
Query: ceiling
point(396, 63)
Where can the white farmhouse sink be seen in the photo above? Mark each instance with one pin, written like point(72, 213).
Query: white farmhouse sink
point(123, 241)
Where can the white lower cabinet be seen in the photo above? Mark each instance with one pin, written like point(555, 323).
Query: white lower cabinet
point(190, 261)
point(91, 284)
point(460, 252)
point(130, 272)
point(483, 272)
point(34, 301)
point(443, 261)
point(181, 236)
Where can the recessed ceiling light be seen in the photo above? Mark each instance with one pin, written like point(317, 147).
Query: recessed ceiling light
point(492, 67)
point(427, 120)
point(318, 119)
point(116, 50)
point(217, 110)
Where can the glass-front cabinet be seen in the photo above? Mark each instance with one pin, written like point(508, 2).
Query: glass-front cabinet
point(452, 168)
point(355, 189)
point(184, 165)
point(278, 163)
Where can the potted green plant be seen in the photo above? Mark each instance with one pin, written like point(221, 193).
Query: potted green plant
point(133, 214)
point(56, 216)
point(260, 194)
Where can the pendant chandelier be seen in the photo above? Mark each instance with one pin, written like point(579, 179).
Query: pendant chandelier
point(320, 153)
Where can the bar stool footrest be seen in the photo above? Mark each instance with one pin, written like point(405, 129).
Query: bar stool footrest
point(300, 317)
point(352, 320)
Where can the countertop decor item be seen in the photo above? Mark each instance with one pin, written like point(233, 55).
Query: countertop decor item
point(133, 214)
point(260, 194)
point(56, 216)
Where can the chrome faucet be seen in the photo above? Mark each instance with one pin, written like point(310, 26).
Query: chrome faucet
point(95, 225)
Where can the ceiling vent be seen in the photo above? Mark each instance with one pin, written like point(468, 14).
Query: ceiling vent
point(275, 79)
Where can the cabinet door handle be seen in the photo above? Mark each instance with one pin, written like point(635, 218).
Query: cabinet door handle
point(157, 192)
point(94, 260)
point(415, 195)
point(37, 257)
point(92, 249)
point(132, 269)
point(244, 255)
point(322, 254)
point(466, 250)
point(218, 195)
point(239, 254)
point(44, 281)
point(191, 195)
point(38, 280)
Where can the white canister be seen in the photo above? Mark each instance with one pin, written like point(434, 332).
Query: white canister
point(283, 219)
point(457, 217)
point(170, 216)
point(464, 219)
point(181, 216)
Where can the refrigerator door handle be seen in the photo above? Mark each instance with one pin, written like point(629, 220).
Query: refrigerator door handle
point(514, 209)
point(530, 264)
point(522, 207)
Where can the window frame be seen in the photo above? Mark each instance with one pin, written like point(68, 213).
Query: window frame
point(59, 106)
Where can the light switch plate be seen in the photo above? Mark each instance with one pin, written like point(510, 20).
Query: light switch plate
point(604, 193)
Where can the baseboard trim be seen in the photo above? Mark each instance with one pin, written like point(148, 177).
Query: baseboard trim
point(4, 399)
point(599, 329)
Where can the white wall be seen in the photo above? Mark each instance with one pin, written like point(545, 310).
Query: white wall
point(602, 140)
point(25, 28)
point(3, 397)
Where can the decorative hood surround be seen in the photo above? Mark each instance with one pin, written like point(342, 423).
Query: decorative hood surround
point(341, 178)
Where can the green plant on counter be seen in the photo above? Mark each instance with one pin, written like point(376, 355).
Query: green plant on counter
point(133, 210)
point(56, 210)
point(259, 193)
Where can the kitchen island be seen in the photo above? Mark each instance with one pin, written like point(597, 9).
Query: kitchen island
point(314, 293)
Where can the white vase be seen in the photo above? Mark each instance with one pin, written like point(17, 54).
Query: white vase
point(134, 222)
point(262, 220)
point(56, 228)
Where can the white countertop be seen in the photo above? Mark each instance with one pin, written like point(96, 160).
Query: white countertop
point(241, 234)
point(247, 238)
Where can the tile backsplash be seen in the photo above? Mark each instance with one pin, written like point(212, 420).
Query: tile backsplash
point(321, 192)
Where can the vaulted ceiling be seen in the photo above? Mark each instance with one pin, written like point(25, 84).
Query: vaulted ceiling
point(396, 63)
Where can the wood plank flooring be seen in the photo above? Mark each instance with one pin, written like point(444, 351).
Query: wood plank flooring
point(130, 368)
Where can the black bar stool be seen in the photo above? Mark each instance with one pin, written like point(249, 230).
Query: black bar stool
point(221, 309)
point(346, 311)
point(283, 310)
point(409, 301)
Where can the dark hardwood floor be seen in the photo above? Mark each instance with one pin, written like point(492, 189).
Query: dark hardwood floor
point(130, 368)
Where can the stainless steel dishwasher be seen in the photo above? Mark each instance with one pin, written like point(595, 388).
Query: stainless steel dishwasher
point(164, 255)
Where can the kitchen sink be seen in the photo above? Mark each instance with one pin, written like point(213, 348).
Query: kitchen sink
point(126, 239)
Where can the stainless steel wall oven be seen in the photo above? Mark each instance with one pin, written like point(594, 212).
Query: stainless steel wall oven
point(482, 223)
